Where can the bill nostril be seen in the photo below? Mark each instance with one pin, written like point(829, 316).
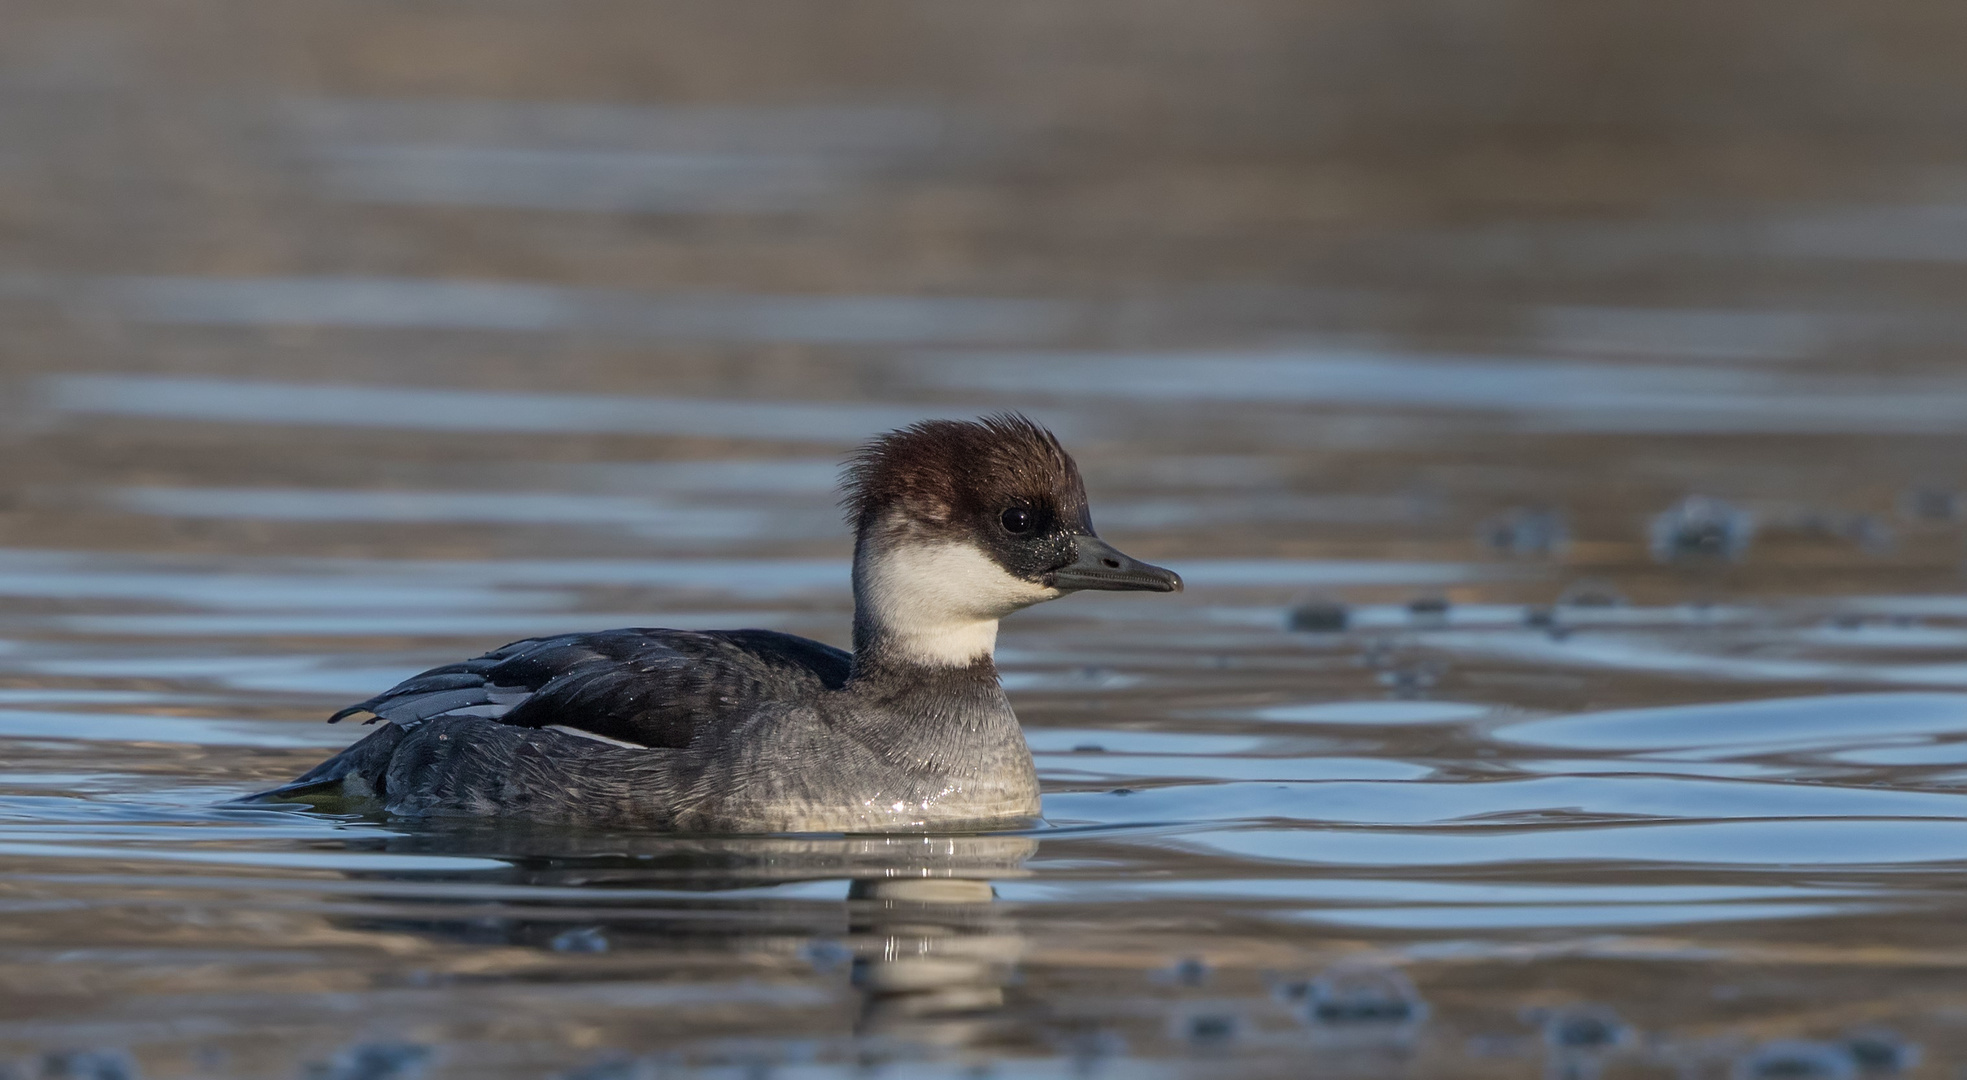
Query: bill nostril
point(1111, 564)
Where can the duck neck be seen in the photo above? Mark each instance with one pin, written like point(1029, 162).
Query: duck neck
point(925, 674)
point(883, 652)
point(916, 611)
point(937, 713)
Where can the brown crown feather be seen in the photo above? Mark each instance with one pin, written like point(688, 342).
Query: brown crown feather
point(940, 471)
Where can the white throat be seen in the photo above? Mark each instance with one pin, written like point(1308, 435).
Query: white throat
point(938, 602)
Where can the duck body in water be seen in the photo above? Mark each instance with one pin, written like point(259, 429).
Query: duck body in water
point(957, 524)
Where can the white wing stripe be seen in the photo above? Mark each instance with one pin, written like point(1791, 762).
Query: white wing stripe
point(565, 730)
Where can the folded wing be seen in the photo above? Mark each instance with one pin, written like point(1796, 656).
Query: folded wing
point(648, 687)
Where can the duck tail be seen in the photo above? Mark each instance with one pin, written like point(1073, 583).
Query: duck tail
point(366, 763)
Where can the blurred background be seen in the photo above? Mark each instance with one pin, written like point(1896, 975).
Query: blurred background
point(1294, 279)
point(1555, 409)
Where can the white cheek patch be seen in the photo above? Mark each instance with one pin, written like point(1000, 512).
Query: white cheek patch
point(940, 602)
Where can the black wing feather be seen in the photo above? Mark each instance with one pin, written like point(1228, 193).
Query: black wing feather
point(652, 687)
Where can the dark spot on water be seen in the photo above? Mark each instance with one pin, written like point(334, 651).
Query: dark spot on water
point(1089, 748)
point(1206, 1025)
point(1188, 971)
point(1930, 504)
point(1700, 527)
point(1409, 682)
point(1367, 998)
point(1290, 991)
point(1527, 531)
point(1588, 1027)
point(1121, 791)
point(1428, 608)
point(88, 1065)
point(1880, 1052)
point(1795, 1059)
point(585, 939)
point(1319, 616)
point(827, 956)
point(1213, 1029)
point(1362, 1012)
point(1539, 617)
point(374, 1061)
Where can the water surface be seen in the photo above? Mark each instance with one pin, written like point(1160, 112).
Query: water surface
point(1565, 468)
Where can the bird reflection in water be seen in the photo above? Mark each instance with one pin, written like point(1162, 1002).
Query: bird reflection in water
point(908, 921)
point(940, 961)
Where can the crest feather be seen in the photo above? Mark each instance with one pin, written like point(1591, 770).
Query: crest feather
point(937, 463)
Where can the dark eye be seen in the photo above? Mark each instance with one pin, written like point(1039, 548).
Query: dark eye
point(1016, 520)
